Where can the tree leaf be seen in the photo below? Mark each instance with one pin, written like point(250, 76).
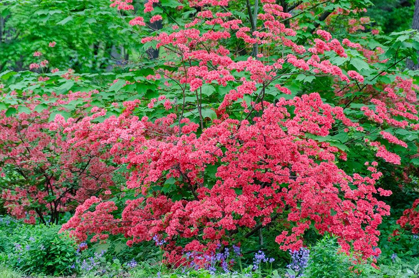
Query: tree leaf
point(209, 113)
point(3, 106)
point(51, 12)
point(65, 114)
point(90, 20)
point(118, 85)
point(23, 109)
point(170, 3)
point(208, 90)
point(65, 87)
point(65, 20)
point(41, 107)
point(359, 64)
point(11, 111)
point(7, 74)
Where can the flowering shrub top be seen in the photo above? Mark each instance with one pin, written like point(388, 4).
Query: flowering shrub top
point(47, 171)
point(265, 171)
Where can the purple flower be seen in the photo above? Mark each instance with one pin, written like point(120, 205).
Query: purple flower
point(212, 270)
point(132, 264)
point(18, 247)
point(393, 257)
point(299, 260)
point(236, 250)
point(259, 258)
point(83, 244)
point(219, 256)
point(189, 255)
point(157, 241)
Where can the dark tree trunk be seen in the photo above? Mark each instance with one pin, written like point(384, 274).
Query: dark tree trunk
point(152, 52)
point(157, 25)
point(415, 26)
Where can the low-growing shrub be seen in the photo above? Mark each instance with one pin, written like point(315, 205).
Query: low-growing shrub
point(328, 260)
point(8, 226)
point(38, 250)
point(6, 272)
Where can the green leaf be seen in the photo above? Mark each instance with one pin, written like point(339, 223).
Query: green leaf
point(90, 21)
point(11, 111)
point(7, 74)
point(403, 38)
point(41, 107)
point(208, 90)
point(65, 87)
point(300, 77)
point(52, 12)
point(23, 109)
point(170, 3)
point(3, 106)
point(65, 20)
point(248, 100)
point(65, 114)
point(18, 86)
point(148, 45)
point(209, 113)
point(309, 79)
point(118, 85)
point(170, 181)
point(359, 64)
point(169, 185)
point(41, 12)
point(339, 146)
point(338, 61)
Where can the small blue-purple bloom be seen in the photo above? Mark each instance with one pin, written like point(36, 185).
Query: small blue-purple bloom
point(236, 250)
point(157, 241)
point(132, 264)
point(299, 260)
point(83, 244)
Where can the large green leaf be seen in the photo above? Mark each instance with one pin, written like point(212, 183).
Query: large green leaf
point(359, 64)
point(209, 113)
point(118, 85)
point(23, 109)
point(65, 20)
point(3, 106)
point(65, 114)
point(11, 111)
point(65, 87)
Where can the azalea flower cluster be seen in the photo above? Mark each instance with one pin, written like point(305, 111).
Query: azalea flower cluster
point(410, 218)
point(266, 170)
point(48, 173)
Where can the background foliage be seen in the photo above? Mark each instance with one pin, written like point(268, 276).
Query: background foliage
point(107, 112)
